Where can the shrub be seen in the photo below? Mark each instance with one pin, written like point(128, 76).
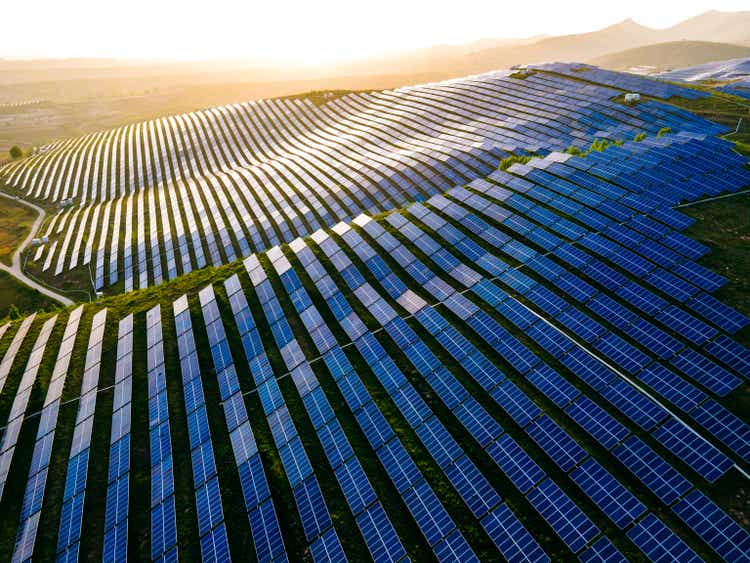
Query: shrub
point(13, 312)
point(664, 131)
point(15, 152)
point(509, 161)
point(574, 150)
point(639, 137)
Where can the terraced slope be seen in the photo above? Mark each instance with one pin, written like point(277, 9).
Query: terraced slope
point(154, 200)
point(530, 366)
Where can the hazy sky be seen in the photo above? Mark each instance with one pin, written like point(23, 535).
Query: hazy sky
point(306, 32)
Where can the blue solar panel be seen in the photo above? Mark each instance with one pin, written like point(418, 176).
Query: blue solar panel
point(672, 387)
point(69, 532)
point(701, 456)
point(430, 515)
point(515, 463)
point(732, 431)
point(727, 538)
point(549, 382)
point(659, 543)
point(36, 482)
point(602, 551)
point(116, 509)
point(558, 444)
point(652, 470)
point(707, 373)
point(511, 538)
point(562, 514)
point(634, 404)
point(619, 504)
point(380, 536)
point(208, 500)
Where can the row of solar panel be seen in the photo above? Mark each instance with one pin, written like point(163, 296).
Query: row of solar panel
point(209, 511)
point(371, 117)
point(69, 534)
point(684, 437)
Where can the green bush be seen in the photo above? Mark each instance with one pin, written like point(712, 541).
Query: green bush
point(663, 131)
point(599, 145)
point(15, 152)
point(639, 137)
point(13, 313)
point(509, 161)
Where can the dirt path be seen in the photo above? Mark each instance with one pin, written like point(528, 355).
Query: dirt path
point(15, 269)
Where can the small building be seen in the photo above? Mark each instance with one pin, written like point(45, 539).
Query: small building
point(632, 97)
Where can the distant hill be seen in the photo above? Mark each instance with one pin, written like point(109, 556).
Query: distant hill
point(720, 27)
point(713, 26)
point(670, 55)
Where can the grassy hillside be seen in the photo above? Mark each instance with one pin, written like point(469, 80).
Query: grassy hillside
point(15, 222)
point(25, 299)
point(670, 55)
point(724, 225)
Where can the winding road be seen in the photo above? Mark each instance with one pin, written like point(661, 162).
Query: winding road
point(15, 269)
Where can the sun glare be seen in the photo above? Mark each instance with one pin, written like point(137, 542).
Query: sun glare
point(305, 33)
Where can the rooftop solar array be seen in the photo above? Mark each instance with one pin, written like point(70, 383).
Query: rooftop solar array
point(529, 364)
point(161, 198)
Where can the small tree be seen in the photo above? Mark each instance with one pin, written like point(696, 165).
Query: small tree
point(640, 136)
point(15, 152)
point(13, 312)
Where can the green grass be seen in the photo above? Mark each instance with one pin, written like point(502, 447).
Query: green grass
point(724, 226)
point(25, 299)
point(15, 222)
point(509, 161)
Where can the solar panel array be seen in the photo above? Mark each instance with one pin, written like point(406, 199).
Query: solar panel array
point(532, 366)
point(118, 479)
point(622, 80)
point(269, 545)
point(729, 69)
point(161, 198)
point(163, 515)
point(21, 401)
point(37, 476)
point(71, 518)
point(211, 526)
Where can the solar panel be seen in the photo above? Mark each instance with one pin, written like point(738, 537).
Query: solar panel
point(69, 532)
point(602, 551)
point(619, 504)
point(36, 482)
point(659, 543)
point(652, 470)
point(706, 460)
point(263, 521)
point(208, 501)
point(116, 509)
point(564, 451)
point(727, 538)
point(565, 518)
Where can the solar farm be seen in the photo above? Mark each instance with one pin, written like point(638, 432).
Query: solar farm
point(420, 324)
